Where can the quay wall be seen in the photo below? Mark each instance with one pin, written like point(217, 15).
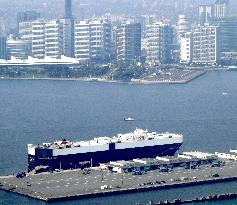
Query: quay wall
point(40, 196)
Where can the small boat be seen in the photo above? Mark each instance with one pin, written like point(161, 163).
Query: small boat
point(129, 119)
point(224, 93)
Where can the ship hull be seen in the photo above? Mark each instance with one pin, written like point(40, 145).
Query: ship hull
point(83, 160)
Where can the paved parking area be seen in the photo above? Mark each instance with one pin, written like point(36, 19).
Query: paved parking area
point(74, 182)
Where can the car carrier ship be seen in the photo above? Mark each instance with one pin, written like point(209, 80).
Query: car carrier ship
point(69, 155)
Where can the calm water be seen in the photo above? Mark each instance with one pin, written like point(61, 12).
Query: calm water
point(44, 111)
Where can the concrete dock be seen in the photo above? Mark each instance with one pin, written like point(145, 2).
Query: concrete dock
point(72, 184)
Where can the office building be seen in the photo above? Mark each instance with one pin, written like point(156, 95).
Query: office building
point(3, 47)
point(160, 40)
point(228, 37)
point(128, 42)
point(206, 43)
point(93, 41)
point(205, 14)
point(3, 42)
point(220, 9)
point(68, 30)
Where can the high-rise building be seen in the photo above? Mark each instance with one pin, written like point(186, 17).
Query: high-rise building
point(183, 26)
point(206, 44)
point(53, 39)
point(68, 36)
point(3, 47)
point(93, 41)
point(27, 16)
point(38, 39)
point(205, 14)
point(220, 9)
point(186, 47)
point(82, 41)
point(68, 30)
point(128, 42)
point(3, 42)
point(228, 37)
point(160, 39)
point(68, 9)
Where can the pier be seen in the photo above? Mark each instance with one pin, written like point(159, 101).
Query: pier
point(72, 184)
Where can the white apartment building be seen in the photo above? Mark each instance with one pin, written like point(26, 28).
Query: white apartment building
point(82, 41)
point(206, 44)
point(159, 38)
point(93, 41)
point(46, 37)
point(53, 39)
point(186, 48)
point(38, 38)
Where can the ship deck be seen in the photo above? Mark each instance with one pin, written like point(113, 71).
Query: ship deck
point(73, 184)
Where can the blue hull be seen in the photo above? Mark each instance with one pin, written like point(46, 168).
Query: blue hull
point(94, 159)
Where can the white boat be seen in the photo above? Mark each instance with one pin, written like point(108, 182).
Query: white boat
point(129, 119)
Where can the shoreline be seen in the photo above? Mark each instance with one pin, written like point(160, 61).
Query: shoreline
point(103, 80)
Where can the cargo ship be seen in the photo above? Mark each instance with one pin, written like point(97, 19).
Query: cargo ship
point(70, 155)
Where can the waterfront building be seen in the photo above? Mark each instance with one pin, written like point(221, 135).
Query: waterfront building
point(206, 44)
point(38, 38)
point(53, 39)
point(18, 48)
point(82, 41)
point(183, 26)
point(205, 14)
point(160, 40)
point(220, 9)
point(47, 38)
point(128, 42)
point(93, 41)
point(228, 35)
point(186, 47)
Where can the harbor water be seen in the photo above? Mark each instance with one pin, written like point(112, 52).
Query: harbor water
point(37, 111)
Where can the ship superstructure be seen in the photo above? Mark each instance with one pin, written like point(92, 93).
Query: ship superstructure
point(138, 144)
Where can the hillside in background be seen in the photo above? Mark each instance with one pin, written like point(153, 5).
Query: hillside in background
point(83, 8)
